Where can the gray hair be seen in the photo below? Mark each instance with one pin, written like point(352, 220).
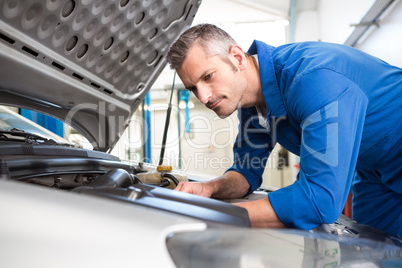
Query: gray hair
point(214, 40)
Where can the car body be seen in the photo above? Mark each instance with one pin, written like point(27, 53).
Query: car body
point(90, 64)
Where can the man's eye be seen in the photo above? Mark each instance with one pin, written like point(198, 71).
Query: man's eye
point(207, 77)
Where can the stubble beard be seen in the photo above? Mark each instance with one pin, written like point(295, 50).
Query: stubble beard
point(233, 106)
point(227, 113)
point(223, 111)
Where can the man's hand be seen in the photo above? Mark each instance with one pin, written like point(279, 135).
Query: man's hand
point(234, 185)
point(197, 188)
point(231, 185)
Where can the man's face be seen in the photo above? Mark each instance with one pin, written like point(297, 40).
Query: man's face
point(216, 83)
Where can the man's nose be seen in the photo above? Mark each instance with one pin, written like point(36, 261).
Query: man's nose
point(204, 94)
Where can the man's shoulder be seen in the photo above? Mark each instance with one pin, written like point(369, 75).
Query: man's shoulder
point(295, 60)
point(311, 50)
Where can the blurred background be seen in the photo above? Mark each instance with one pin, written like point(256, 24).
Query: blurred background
point(197, 140)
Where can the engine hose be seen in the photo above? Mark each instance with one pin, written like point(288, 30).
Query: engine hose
point(164, 183)
point(115, 178)
point(172, 177)
point(135, 179)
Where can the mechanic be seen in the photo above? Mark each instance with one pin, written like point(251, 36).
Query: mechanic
point(334, 106)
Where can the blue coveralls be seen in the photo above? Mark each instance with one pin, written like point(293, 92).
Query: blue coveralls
point(340, 110)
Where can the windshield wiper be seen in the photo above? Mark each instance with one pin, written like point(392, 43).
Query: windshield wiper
point(30, 138)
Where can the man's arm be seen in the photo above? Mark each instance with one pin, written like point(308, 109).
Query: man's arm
point(331, 110)
point(261, 213)
point(234, 185)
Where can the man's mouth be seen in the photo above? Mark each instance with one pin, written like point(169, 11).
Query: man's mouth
point(215, 104)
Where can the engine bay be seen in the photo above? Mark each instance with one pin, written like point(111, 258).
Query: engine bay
point(102, 175)
point(113, 179)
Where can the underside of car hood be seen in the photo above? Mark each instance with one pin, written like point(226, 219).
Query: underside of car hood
point(88, 63)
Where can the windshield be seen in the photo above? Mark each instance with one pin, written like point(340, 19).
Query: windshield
point(10, 120)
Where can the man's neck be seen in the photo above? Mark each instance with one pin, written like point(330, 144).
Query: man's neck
point(254, 82)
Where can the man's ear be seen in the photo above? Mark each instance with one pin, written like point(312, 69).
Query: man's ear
point(238, 55)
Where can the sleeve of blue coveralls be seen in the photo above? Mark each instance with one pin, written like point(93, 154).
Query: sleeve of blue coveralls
point(251, 150)
point(331, 110)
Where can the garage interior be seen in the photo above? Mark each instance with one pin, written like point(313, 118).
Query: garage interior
point(197, 140)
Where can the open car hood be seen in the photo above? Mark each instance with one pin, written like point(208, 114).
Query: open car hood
point(88, 63)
